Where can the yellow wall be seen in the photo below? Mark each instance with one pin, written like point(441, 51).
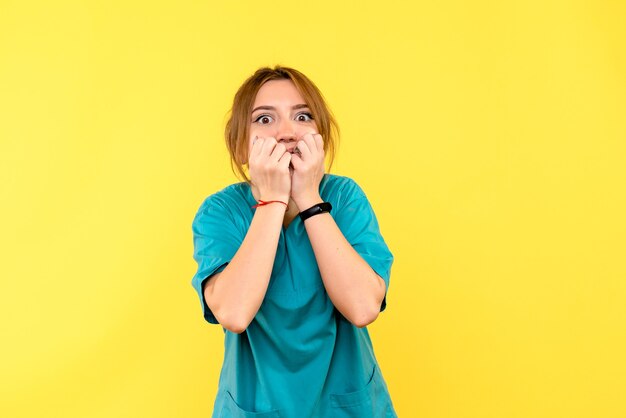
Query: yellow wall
point(488, 135)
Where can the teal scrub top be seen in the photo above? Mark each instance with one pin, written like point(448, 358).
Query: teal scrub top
point(299, 357)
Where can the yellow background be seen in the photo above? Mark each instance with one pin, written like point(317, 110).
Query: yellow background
point(488, 135)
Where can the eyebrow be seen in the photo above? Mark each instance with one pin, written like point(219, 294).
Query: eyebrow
point(298, 106)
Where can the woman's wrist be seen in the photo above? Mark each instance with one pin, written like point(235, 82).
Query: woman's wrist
point(270, 197)
point(261, 203)
point(306, 202)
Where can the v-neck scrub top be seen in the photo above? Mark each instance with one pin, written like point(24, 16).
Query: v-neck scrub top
point(299, 357)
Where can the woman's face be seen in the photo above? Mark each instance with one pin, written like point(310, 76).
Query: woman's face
point(279, 111)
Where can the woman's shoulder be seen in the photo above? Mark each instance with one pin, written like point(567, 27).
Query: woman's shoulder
point(340, 187)
point(228, 198)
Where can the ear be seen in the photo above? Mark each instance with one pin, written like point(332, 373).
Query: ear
point(240, 160)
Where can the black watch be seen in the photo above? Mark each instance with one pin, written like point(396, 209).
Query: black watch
point(315, 210)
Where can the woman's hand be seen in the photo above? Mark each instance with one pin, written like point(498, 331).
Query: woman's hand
point(269, 169)
point(308, 171)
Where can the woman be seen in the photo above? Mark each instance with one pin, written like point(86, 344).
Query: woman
point(291, 263)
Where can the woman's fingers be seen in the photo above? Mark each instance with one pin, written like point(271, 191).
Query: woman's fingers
point(284, 160)
point(296, 161)
point(304, 149)
point(268, 152)
point(307, 146)
point(267, 146)
point(257, 146)
point(310, 142)
point(319, 141)
point(311, 145)
point(278, 151)
point(310, 149)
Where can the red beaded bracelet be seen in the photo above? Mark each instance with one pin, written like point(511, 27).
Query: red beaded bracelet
point(267, 202)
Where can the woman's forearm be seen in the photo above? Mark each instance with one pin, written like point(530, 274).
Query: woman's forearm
point(352, 285)
point(235, 295)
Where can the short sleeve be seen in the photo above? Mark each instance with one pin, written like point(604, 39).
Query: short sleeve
point(216, 239)
point(358, 223)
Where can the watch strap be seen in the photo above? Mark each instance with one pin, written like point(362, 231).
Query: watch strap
point(315, 210)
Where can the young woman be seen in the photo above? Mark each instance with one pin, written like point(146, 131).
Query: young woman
point(291, 263)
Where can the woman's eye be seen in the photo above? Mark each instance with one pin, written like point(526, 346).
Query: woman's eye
point(304, 117)
point(263, 119)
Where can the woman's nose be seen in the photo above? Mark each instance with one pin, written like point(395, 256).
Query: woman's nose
point(286, 131)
